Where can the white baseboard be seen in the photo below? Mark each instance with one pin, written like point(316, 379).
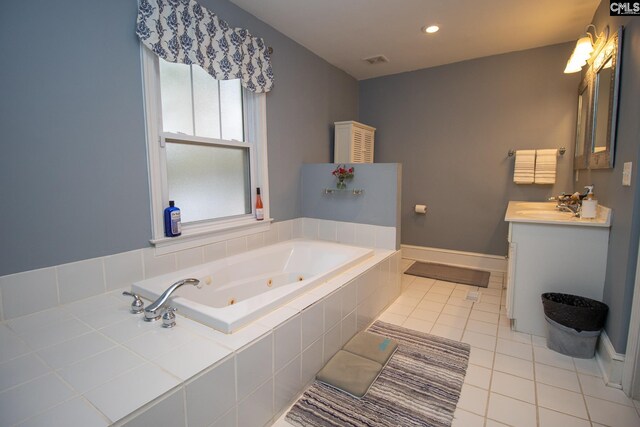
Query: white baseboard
point(611, 363)
point(458, 258)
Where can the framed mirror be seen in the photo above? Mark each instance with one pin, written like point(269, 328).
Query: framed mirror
point(583, 124)
point(605, 78)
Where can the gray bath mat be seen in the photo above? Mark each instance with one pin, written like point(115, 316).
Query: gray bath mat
point(450, 273)
point(419, 386)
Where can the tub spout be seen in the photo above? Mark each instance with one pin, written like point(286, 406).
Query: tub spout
point(152, 312)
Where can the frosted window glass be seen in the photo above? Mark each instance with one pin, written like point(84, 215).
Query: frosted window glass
point(231, 109)
point(175, 89)
point(205, 104)
point(208, 181)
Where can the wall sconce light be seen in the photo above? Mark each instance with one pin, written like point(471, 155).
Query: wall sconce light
point(584, 48)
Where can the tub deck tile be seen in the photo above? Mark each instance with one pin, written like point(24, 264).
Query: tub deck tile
point(240, 338)
point(277, 317)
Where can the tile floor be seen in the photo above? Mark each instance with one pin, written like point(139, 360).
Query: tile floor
point(512, 378)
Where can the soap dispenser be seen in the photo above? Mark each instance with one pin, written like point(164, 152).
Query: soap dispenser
point(589, 204)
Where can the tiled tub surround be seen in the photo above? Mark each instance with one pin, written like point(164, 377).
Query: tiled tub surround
point(91, 362)
point(32, 291)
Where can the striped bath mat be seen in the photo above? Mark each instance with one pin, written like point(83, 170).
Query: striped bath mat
point(419, 386)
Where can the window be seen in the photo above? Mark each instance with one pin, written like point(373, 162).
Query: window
point(207, 151)
point(195, 103)
point(208, 181)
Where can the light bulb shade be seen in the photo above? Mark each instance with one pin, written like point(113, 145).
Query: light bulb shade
point(584, 48)
point(572, 67)
point(579, 60)
point(430, 29)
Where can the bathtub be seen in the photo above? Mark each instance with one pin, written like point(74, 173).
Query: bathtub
point(239, 289)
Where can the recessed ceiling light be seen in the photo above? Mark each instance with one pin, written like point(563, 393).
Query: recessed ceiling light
point(430, 29)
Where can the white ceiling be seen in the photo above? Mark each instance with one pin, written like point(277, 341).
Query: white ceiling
point(344, 32)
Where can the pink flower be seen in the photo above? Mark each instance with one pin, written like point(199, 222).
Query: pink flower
point(341, 172)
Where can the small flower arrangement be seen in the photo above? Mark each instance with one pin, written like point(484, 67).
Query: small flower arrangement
point(342, 173)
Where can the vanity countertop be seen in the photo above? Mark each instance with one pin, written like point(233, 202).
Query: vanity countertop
point(546, 213)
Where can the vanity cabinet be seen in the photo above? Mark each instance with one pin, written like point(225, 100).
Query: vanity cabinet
point(566, 255)
point(353, 142)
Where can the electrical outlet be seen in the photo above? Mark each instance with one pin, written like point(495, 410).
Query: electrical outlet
point(626, 174)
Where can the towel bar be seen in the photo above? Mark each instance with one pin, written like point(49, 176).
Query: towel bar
point(561, 150)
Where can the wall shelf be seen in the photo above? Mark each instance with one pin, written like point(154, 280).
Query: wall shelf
point(353, 191)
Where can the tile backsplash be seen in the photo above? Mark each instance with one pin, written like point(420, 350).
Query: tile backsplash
point(36, 290)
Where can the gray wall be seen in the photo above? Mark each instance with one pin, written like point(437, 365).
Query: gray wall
point(73, 162)
point(452, 126)
point(308, 97)
point(376, 206)
point(625, 201)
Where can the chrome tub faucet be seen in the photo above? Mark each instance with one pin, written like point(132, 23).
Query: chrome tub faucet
point(153, 311)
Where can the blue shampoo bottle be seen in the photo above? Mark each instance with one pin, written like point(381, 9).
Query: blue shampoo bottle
point(172, 225)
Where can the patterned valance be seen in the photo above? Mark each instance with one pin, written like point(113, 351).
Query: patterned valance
point(183, 31)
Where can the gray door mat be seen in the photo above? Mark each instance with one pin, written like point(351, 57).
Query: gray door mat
point(450, 273)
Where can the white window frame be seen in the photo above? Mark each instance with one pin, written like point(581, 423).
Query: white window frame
point(215, 230)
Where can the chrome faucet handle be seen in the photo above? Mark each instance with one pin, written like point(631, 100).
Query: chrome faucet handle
point(169, 317)
point(137, 306)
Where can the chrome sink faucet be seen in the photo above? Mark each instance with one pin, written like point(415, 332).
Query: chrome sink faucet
point(573, 208)
point(152, 312)
point(569, 203)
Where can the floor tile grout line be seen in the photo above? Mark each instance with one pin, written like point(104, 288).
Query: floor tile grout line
point(533, 361)
point(561, 388)
point(493, 362)
point(416, 306)
point(555, 385)
point(421, 299)
point(529, 403)
point(486, 409)
point(535, 386)
point(584, 397)
point(603, 398)
point(566, 414)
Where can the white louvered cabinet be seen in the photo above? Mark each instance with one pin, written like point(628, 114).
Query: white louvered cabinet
point(353, 142)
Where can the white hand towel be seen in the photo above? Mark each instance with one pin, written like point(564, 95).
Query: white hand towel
point(545, 168)
point(524, 169)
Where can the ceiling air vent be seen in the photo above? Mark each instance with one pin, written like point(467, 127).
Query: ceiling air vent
point(379, 59)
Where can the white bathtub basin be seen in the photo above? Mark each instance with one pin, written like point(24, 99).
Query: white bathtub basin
point(241, 288)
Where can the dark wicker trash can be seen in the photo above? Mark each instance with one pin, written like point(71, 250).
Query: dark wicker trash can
point(573, 323)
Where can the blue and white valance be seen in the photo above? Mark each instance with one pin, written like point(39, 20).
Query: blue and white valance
point(183, 31)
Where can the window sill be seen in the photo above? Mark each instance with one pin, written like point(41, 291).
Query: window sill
point(200, 235)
